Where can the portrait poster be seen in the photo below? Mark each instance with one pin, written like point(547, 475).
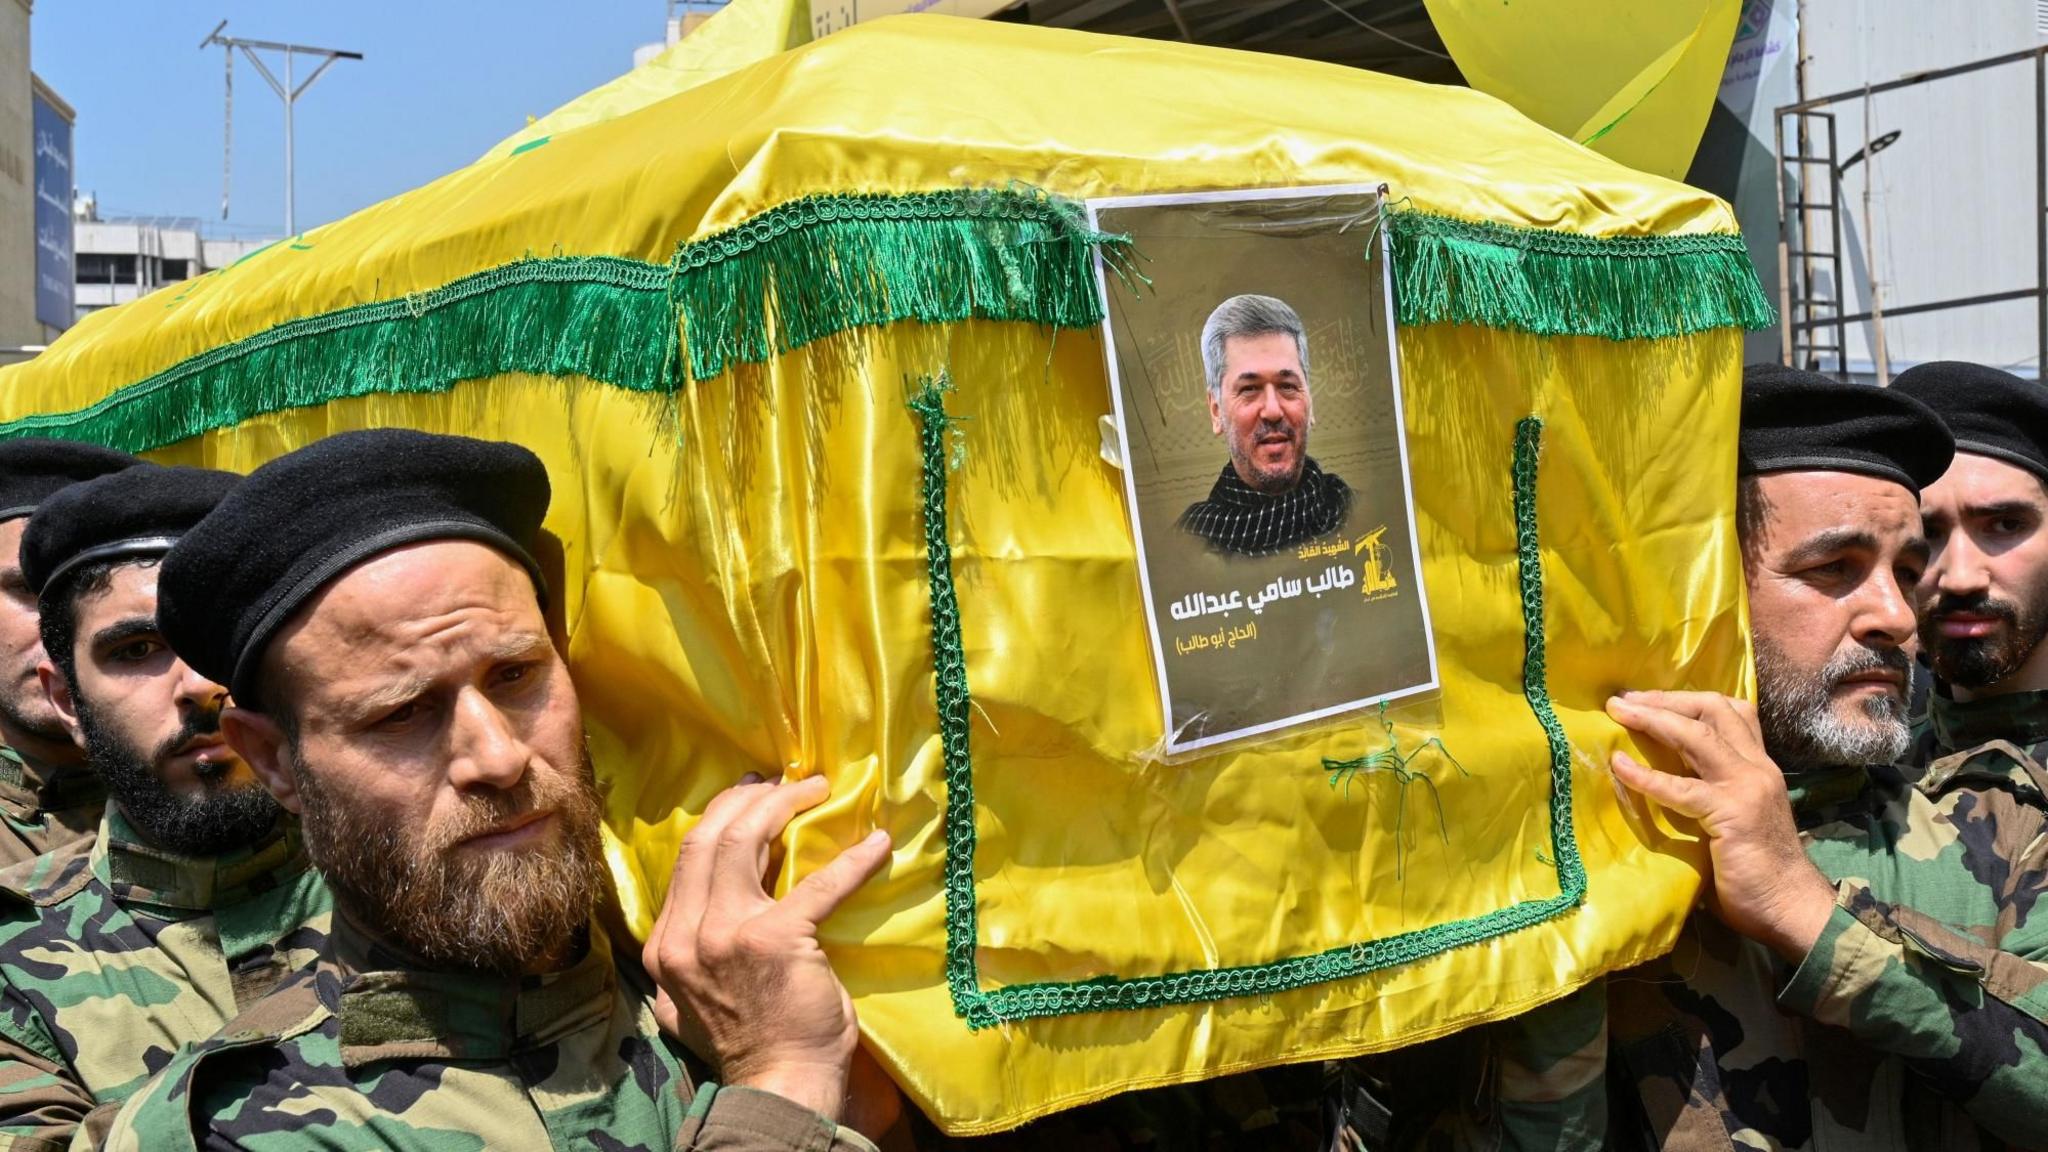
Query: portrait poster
point(1258, 415)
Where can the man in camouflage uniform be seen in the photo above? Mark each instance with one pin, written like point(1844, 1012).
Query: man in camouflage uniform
point(48, 797)
point(1870, 973)
point(373, 603)
point(195, 898)
point(1984, 600)
point(1891, 993)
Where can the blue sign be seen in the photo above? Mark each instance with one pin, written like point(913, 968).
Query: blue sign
point(54, 253)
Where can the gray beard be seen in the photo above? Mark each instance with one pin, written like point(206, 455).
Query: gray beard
point(1801, 727)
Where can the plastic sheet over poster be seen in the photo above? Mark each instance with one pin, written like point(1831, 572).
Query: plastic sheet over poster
point(1285, 588)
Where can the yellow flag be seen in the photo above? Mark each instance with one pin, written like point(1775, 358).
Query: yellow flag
point(741, 33)
point(1634, 81)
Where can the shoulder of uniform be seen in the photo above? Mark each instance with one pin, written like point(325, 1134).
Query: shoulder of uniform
point(1995, 764)
point(163, 1112)
point(298, 1005)
point(49, 879)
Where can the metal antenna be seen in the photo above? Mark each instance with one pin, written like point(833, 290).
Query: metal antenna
point(288, 91)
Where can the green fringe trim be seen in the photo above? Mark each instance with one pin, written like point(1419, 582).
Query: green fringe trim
point(820, 265)
point(823, 265)
point(799, 272)
point(984, 1008)
point(588, 316)
point(1565, 284)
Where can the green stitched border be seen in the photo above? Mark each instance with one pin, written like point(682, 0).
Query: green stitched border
point(1026, 1001)
point(1566, 284)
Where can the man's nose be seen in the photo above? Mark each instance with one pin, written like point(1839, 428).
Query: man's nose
point(196, 692)
point(1886, 615)
point(486, 751)
point(1961, 569)
point(1269, 404)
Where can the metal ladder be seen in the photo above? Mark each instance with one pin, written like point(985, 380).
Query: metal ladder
point(1810, 243)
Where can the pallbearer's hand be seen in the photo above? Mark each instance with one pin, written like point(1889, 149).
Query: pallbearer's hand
point(1764, 886)
point(741, 975)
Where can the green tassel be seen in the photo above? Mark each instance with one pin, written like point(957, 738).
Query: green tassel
point(819, 266)
point(1564, 284)
point(800, 272)
point(583, 316)
point(823, 265)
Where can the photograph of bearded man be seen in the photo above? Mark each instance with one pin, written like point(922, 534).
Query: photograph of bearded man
point(1271, 495)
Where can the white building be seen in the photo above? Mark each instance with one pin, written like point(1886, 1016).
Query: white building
point(1952, 200)
point(125, 259)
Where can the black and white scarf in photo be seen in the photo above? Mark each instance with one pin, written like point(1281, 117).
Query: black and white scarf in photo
point(1238, 519)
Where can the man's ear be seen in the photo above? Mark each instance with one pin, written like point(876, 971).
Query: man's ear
point(1215, 415)
point(261, 744)
point(58, 690)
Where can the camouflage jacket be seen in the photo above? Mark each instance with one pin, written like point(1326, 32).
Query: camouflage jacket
point(1916, 1021)
point(114, 955)
point(1944, 726)
point(44, 806)
point(365, 1050)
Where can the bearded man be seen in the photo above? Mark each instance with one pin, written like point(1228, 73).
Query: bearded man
point(373, 602)
point(196, 897)
point(48, 797)
point(1870, 976)
point(1866, 973)
point(1984, 601)
point(1271, 496)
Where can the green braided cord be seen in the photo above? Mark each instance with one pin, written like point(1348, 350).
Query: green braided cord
point(1564, 840)
point(1566, 284)
point(981, 1009)
point(796, 273)
point(950, 675)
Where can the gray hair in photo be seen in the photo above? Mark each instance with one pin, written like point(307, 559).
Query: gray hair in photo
point(1248, 316)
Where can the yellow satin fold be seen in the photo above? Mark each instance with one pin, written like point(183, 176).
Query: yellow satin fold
point(746, 575)
point(741, 33)
point(1630, 80)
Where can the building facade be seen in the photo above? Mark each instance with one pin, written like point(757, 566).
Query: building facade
point(125, 259)
point(17, 189)
point(36, 182)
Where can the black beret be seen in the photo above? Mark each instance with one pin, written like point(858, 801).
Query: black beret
point(30, 470)
point(132, 514)
point(1992, 413)
point(1795, 421)
point(299, 522)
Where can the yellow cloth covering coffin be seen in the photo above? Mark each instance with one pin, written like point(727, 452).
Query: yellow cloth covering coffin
point(743, 506)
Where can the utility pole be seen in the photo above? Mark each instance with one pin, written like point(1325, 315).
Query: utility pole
point(1877, 356)
point(288, 91)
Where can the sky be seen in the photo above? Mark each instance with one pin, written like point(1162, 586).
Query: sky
point(441, 81)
